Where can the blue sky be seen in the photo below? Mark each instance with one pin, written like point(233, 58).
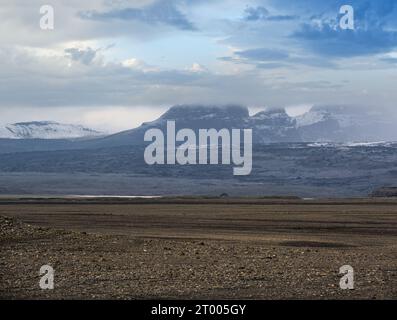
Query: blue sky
point(133, 59)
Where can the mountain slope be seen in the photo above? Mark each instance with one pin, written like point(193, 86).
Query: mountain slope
point(192, 117)
point(274, 126)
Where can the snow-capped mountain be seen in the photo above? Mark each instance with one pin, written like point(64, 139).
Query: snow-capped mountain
point(320, 124)
point(268, 126)
point(46, 130)
point(346, 124)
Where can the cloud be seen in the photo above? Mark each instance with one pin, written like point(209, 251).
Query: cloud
point(264, 58)
point(263, 54)
point(159, 12)
point(373, 33)
point(271, 65)
point(158, 61)
point(392, 60)
point(36, 81)
point(326, 39)
point(262, 14)
point(312, 27)
point(85, 56)
point(197, 68)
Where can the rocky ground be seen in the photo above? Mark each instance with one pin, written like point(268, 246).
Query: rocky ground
point(99, 266)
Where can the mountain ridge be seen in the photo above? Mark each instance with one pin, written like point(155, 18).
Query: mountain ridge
point(320, 124)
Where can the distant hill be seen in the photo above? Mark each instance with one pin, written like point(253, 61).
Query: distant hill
point(46, 130)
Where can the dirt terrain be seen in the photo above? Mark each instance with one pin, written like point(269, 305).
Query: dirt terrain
point(198, 248)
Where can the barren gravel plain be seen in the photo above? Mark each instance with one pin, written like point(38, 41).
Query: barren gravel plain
point(198, 248)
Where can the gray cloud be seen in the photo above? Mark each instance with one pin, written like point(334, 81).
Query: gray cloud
point(265, 58)
point(260, 13)
point(43, 82)
point(390, 60)
point(37, 71)
point(159, 12)
point(263, 54)
point(85, 56)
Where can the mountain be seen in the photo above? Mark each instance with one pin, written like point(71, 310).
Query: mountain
point(337, 124)
point(318, 125)
point(328, 166)
point(346, 124)
point(192, 117)
point(273, 126)
point(46, 130)
point(268, 126)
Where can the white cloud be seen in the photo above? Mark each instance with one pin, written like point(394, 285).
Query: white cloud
point(75, 66)
point(198, 68)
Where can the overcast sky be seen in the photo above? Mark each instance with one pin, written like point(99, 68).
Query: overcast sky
point(111, 64)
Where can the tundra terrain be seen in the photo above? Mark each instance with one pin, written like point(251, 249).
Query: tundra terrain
point(180, 248)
